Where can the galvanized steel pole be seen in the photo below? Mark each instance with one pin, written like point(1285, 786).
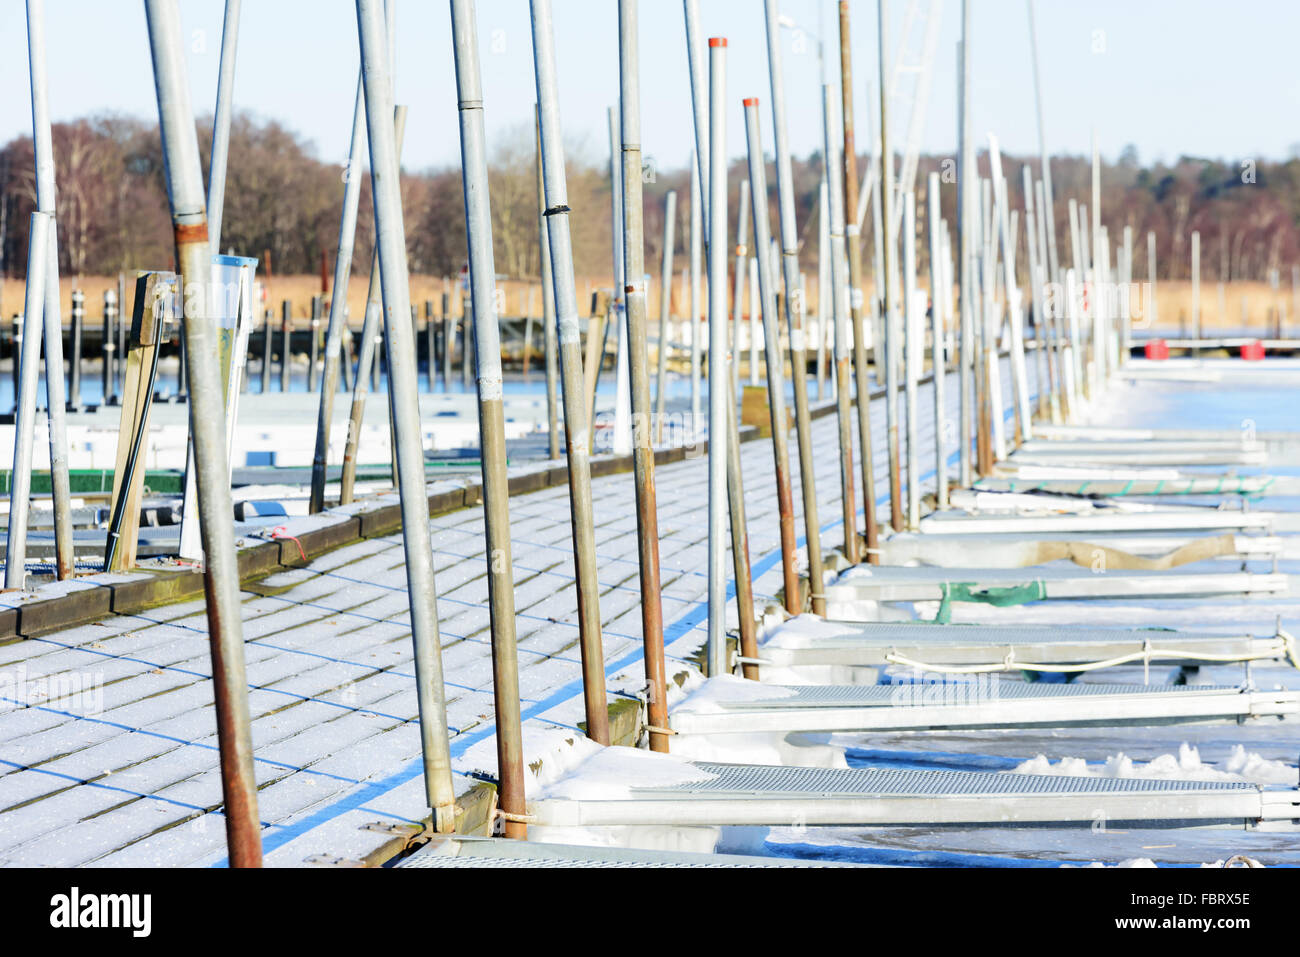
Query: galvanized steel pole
point(208, 432)
point(887, 253)
point(416, 541)
point(839, 293)
point(43, 149)
point(339, 304)
point(367, 358)
point(548, 308)
point(794, 310)
point(718, 376)
point(29, 370)
point(665, 306)
point(576, 422)
point(491, 416)
point(938, 300)
point(910, 360)
point(221, 124)
point(857, 300)
point(775, 366)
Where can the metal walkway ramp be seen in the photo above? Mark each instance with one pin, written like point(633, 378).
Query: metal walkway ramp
point(976, 705)
point(975, 648)
point(952, 522)
point(498, 852)
point(1021, 549)
point(847, 598)
point(1148, 453)
point(1134, 481)
point(731, 794)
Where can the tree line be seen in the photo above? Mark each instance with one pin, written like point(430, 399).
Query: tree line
point(282, 200)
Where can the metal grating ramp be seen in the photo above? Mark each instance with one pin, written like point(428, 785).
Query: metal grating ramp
point(751, 779)
point(832, 696)
point(1004, 647)
point(978, 704)
point(757, 795)
point(499, 852)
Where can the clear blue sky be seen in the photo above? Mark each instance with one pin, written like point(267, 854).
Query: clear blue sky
point(1172, 77)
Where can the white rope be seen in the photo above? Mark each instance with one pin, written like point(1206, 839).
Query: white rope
point(1285, 648)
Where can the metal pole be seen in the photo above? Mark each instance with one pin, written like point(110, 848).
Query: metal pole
point(208, 433)
point(772, 349)
point(268, 336)
point(857, 300)
point(823, 281)
point(221, 123)
point(1048, 212)
point(487, 337)
point(695, 67)
point(665, 304)
point(29, 368)
point(74, 372)
point(1015, 317)
point(313, 347)
point(887, 266)
point(794, 311)
point(107, 345)
point(339, 303)
point(754, 320)
point(286, 336)
point(939, 289)
point(909, 341)
point(576, 427)
point(718, 376)
point(43, 148)
point(548, 308)
point(416, 540)
point(839, 293)
point(367, 353)
point(1035, 290)
point(1196, 294)
point(635, 304)
point(697, 293)
point(622, 444)
point(966, 321)
point(738, 279)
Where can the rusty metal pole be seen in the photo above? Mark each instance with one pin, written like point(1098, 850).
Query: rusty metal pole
point(857, 300)
point(576, 427)
point(207, 428)
point(643, 459)
point(491, 417)
point(793, 303)
point(772, 350)
point(43, 150)
point(839, 295)
point(417, 544)
point(339, 304)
